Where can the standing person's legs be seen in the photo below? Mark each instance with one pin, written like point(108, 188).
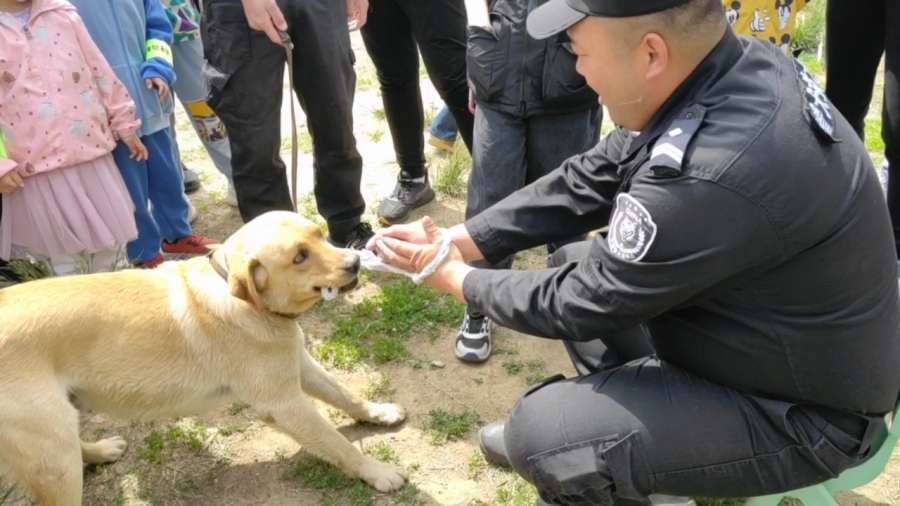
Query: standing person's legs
point(853, 47)
point(146, 247)
point(554, 138)
point(389, 40)
point(164, 188)
point(440, 28)
point(498, 170)
point(325, 83)
point(189, 88)
point(245, 75)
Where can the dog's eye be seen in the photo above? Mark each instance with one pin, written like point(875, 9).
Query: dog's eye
point(301, 257)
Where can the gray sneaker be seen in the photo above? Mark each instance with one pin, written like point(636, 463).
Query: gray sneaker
point(473, 342)
point(408, 194)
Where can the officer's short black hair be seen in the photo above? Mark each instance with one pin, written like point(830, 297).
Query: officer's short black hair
point(692, 21)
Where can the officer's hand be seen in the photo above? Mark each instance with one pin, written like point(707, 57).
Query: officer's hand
point(264, 15)
point(414, 257)
point(409, 232)
point(357, 13)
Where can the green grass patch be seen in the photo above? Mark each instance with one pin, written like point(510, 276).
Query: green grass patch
point(337, 487)
point(810, 27)
point(451, 425)
point(874, 142)
point(449, 175)
point(378, 327)
point(158, 446)
point(378, 113)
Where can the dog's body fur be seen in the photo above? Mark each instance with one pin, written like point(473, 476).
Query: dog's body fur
point(175, 341)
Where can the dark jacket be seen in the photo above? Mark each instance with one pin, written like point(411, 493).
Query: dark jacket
point(762, 264)
point(516, 74)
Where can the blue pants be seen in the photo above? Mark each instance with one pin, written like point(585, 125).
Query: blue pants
point(444, 126)
point(157, 180)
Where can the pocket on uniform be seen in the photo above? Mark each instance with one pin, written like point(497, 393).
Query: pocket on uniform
point(561, 82)
point(486, 60)
point(595, 472)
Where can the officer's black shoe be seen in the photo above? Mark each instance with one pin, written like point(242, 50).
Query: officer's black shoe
point(191, 180)
point(356, 239)
point(409, 193)
point(490, 440)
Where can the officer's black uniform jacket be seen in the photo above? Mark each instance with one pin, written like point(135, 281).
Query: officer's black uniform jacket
point(748, 230)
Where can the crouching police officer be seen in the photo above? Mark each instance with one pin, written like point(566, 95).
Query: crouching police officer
point(736, 331)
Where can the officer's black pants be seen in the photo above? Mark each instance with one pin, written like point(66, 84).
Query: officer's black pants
point(245, 74)
point(858, 33)
point(390, 35)
point(632, 425)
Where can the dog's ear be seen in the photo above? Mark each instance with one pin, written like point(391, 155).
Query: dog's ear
point(242, 281)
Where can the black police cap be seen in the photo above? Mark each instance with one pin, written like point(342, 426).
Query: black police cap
point(558, 15)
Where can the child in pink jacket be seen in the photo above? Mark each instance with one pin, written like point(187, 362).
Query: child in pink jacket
point(61, 111)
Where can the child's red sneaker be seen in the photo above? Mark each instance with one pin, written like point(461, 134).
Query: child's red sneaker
point(151, 264)
point(191, 245)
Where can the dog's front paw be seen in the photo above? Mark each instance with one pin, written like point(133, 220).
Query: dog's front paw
point(387, 414)
point(111, 449)
point(384, 477)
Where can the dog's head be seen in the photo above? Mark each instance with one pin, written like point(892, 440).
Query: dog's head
point(281, 263)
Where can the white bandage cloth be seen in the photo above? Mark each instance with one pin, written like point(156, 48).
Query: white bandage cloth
point(369, 260)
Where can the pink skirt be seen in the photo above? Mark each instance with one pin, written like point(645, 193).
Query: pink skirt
point(85, 208)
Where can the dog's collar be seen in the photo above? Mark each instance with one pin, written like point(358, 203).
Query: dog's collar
point(222, 271)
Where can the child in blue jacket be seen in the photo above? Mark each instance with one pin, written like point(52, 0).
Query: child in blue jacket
point(135, 36)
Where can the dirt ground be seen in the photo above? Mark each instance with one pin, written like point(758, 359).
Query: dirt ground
point(393, 344)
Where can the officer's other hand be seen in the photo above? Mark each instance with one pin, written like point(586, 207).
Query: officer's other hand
point(414, 256)
point(357, 13)
point(409, 232)
point(264, 15)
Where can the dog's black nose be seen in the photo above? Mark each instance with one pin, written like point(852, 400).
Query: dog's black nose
point(352, 265)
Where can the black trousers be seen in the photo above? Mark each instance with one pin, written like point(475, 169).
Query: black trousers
point(391, 34)
point(631, 425)
point(245, 75)
point(858, 33)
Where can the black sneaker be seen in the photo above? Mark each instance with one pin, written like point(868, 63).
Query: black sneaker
point(191, 180)
point(356, 239)
point(473, 342)
point(408, 194)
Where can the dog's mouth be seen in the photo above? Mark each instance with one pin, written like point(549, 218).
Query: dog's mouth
point(331, 292)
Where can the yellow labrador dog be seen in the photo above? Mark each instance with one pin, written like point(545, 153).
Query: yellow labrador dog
point(179, 340)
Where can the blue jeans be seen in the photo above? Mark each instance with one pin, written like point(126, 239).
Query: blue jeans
point(511, 152)
point(157, 180)
point(189, 88)
point(444, 126)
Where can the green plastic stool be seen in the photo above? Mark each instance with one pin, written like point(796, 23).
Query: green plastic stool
point(855, 477)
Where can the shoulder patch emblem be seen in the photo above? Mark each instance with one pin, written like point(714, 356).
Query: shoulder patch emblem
point(817, 106)
point(631, 230)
